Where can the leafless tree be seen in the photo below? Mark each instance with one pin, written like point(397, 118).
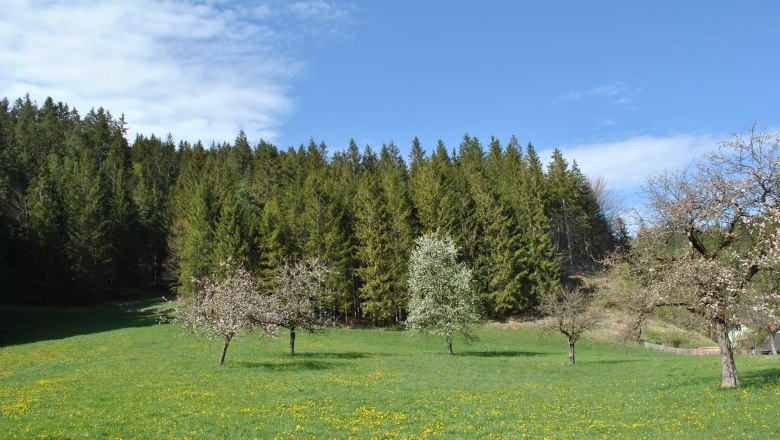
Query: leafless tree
point(609, 201)
point(638, 304)
point(569, 312)
point(711, 229)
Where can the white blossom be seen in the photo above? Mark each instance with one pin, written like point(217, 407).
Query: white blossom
point(442, 300)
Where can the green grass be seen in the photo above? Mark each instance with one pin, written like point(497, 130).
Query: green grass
point(83, 377)
point(678, 338)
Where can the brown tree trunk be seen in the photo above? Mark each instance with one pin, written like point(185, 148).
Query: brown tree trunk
point(730, 377)
point(568, 234)
point(772, 343)
point(571, 351)
point(224, 350)
point(449, 345)
point(292, 341)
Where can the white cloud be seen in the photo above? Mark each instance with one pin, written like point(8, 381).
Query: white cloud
point(199, 70)
point(626, 164)
point(316, 9)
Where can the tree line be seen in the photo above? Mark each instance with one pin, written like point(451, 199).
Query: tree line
point(86, 215)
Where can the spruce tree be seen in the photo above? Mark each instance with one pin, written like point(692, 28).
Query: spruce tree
point(192, 229)
point(433, 193)
point(195, 257)
point(266, 175)
point(345, 171)
point(88, 245)
point(495, 241)
point(395, 192)
point(21, 151)
point(242, 155)
point(372, 232)
point(271, 239)
point(538, 257)
point(5, 215)
point(579, 227)
point(230, 247)
point(154, 172)
point(122, 218)
point(43, 258)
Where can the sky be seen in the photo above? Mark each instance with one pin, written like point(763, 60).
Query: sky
point(627, 89)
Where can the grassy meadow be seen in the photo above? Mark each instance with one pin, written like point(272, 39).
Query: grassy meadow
point(115, 372)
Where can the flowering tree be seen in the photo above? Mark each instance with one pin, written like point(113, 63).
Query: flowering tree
point(220, 307)
point(441, 298)
point(570, 313)
point(711, 233)
point(297, 300)
point(761, 313)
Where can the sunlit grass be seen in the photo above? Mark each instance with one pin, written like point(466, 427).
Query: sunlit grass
point(151, 382)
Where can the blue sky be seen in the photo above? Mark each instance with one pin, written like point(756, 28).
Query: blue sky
point(624, 88)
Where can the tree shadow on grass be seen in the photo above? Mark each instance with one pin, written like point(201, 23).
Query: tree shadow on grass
point(336, 355)
point(608, 361)
point(500, 353)
point(287, 366)
point(769, 376)
point(26, 324)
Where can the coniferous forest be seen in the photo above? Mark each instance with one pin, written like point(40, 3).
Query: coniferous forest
point(88, 215)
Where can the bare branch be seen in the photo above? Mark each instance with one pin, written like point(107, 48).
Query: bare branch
point(570, 313)
point(725, 208)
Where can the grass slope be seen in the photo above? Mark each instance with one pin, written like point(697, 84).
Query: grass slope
point(144, 380)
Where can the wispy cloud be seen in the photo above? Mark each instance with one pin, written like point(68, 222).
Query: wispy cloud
point(197, 69)
point(618, 93)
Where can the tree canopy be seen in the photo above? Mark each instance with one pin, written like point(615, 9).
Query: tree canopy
point(710, 242)
point(442, 298)
point(88, 215)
